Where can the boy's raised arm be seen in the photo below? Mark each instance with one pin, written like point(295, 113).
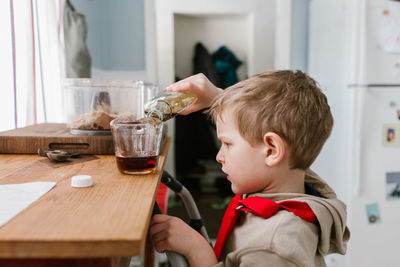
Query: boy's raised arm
point(201, 87)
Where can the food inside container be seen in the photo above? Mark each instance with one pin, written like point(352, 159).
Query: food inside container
point(91, 105)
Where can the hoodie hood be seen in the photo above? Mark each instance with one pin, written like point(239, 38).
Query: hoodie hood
point(331, 215)
point(330, 212)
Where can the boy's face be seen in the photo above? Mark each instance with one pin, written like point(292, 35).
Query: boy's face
point(243, 163)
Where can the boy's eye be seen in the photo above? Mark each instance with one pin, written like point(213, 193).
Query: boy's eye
point(226, 144)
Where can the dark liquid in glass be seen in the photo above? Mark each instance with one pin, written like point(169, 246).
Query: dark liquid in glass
point(136, 164)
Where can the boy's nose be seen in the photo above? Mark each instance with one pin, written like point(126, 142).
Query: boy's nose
point(219, 157)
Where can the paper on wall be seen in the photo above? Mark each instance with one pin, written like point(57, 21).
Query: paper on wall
point(390, 28)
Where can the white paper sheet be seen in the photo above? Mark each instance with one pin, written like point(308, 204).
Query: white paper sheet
point(16, 197)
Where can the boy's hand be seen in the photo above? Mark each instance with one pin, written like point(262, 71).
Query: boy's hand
point(172, 234)
point(201, 87)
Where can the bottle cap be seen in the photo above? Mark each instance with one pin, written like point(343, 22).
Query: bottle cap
point(81, 181)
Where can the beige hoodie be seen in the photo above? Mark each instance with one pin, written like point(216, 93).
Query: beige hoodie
point(285, 239)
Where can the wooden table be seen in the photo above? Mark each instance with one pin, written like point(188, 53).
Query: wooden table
point(107, 221)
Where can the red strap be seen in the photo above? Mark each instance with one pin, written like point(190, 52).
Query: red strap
point(266, 208)
point(230, 217)
point(258, 206)
point(162, 197)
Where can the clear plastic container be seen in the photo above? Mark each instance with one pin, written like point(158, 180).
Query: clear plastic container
point(91, 105)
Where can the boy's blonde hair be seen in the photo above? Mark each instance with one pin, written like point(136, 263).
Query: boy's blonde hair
point(288, 103)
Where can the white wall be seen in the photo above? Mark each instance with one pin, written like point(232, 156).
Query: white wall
point(124, 52)
point(299, 34)
point(108, 41)
point(329, 63)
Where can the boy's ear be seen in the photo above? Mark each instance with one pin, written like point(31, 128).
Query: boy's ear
point(275, 149)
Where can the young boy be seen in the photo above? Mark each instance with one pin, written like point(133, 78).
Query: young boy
point(272, 127)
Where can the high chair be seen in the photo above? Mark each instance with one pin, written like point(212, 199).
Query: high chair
point(196, 222)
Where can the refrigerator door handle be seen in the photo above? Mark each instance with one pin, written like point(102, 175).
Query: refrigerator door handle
point(356, 139)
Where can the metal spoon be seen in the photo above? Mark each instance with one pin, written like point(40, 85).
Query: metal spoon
point(57, 155)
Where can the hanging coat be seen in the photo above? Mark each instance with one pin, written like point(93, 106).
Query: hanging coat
point(77, 57)
point(226, 64)
point(194, 137)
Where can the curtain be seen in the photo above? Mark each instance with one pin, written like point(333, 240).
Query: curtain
point(30, 68)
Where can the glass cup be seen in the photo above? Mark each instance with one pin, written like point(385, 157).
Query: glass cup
point(137, 144)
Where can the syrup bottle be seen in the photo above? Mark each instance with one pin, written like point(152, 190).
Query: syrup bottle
point(167, 105)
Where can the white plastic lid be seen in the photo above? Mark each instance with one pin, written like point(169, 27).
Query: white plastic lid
point(81, 181)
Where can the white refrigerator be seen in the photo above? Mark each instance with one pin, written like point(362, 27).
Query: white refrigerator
point(374, 208)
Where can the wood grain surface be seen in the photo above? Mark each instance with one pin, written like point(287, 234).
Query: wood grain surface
point(109, 219)
point(45, 136)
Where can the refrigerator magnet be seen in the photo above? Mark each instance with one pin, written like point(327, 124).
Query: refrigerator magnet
point(390, 134)
point(373, 214)
point(393, 185)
